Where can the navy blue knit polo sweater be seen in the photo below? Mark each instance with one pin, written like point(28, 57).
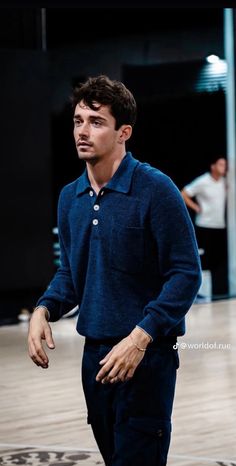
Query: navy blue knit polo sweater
point(128, 255)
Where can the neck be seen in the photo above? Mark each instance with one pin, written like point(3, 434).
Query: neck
point(216, 176)
point(102, 171)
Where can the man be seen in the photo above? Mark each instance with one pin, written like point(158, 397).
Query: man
point(206, 196)
point(129, 259)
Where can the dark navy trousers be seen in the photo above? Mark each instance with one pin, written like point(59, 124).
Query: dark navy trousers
point(131, 420)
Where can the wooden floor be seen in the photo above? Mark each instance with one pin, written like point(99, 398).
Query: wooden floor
point(43, 414)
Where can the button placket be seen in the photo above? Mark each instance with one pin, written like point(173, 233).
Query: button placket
point(96, 207)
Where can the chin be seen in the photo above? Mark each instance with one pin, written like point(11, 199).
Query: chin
point(86, 156)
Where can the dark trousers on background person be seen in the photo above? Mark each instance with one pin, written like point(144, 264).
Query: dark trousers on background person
point(214, 243)
point(131, 421)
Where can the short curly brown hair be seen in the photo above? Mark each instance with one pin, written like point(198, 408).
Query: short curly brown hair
point(104, 91)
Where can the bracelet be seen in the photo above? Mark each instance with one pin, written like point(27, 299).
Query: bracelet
point(138, 347)
point(44, 307)
point(151, 339)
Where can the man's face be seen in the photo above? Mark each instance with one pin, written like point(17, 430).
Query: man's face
point(220, 166)
point(94, 132)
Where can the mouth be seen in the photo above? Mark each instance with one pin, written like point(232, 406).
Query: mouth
point(83, 145)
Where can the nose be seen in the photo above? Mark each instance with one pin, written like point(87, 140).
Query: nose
point(83, 129)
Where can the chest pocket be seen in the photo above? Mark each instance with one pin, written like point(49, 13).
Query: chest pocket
point(127, 249)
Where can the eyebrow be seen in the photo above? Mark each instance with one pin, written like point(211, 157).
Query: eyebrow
point(91, 117)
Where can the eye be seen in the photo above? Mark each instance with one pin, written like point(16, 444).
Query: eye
point(77, 123)
point(97, 123)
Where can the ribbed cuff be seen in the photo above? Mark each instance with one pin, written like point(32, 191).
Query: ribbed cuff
point(151, 339)
point(149, 326)
point(51, 306)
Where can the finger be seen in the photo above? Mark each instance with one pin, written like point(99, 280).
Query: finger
point(31, 354)
point(119, 377)
point(129, 374)
point(106, 358)
point(114, 372)
point(38, 361)
point(122, 375)
point(41, 355)
point(115, 380)
point(48, 338)
point(105, 380)
point(43, 365)
point(104, 370)
point(38, 354)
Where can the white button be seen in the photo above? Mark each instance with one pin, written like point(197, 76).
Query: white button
point(91, 193)
point(102, 192)
point(96, 207)
point(95, 221)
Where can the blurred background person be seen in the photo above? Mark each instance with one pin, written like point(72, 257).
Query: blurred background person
point(206, 196)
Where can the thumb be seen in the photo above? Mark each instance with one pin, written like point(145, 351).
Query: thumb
point(48, 338)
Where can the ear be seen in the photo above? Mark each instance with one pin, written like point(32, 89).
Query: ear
point(125, 133)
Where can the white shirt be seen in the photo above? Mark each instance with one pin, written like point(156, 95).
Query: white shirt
point(210, 194)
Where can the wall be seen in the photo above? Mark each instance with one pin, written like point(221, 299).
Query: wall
point(34, 91)
point(109, 56)
point(25, 178)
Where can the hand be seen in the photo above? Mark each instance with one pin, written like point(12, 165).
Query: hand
point(197, 209)
point(121, 362)
point(39, 329)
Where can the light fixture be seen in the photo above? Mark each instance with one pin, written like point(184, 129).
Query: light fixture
point(212, 59)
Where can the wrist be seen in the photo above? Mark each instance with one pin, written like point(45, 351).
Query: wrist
point(146, 333)
point(136, 345)
point(141, 338)
point(44, 310)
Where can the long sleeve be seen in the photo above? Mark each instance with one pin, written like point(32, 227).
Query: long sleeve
point(178, 259)
point(60, 295)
